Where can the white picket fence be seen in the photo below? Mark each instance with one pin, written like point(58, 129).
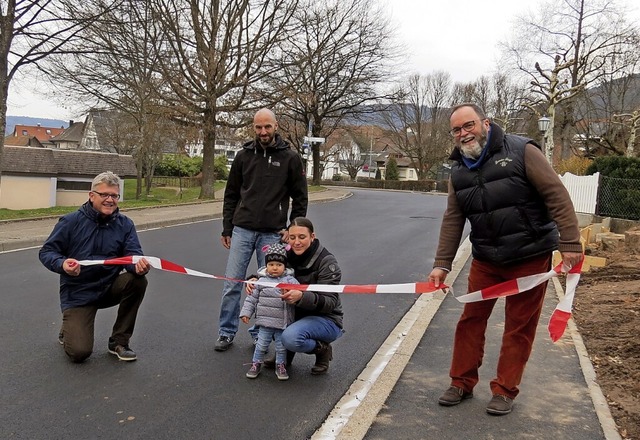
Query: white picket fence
point(583, 191)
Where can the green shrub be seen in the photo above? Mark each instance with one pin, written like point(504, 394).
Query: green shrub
point(616, 166)
point(220, 167)
point(178, 165)
point(392, 172)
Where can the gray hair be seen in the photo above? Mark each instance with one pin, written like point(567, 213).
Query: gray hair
point(481, 114)
point(107, 177)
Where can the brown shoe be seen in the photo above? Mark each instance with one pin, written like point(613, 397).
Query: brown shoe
point(500, 405)
point(324, 354)
point(454, 396)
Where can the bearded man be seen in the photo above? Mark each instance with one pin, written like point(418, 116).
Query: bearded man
point(519, 212)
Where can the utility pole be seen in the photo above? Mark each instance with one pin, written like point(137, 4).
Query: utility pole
point(314, 143)
point(370, 153)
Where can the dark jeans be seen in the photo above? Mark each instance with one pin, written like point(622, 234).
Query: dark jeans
point(522, 312)
point(127, 291)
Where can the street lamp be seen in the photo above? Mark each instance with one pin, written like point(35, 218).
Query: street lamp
point(543, 126)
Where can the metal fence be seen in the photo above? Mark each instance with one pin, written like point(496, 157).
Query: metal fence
point(619, 198)
point(183, 182)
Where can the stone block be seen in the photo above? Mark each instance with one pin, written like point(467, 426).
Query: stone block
point(611, 241)
point(632, 240)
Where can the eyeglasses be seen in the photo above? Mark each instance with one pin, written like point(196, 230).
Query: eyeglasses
point(467, 126)
point(105, 196)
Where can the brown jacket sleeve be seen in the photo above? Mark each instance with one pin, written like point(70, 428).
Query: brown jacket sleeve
point(450, 232)
point(556, 197)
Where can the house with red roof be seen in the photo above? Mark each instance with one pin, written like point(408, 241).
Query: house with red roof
point(42, 134)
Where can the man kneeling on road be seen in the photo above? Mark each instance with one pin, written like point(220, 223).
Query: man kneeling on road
point(96, 230)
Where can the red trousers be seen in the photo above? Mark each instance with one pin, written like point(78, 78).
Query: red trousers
point(522, 312)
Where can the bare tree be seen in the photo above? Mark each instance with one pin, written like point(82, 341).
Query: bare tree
point(352, 143)
point(213, 58)
point(507, 101)
point(31, 31)
point(463, 92)
point(608, 112)
point(118, 70)
point(562, 50)
point(331, 67)
point(500, 96)
point(417, 121)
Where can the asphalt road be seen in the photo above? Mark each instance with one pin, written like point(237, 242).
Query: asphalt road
point(180, 387)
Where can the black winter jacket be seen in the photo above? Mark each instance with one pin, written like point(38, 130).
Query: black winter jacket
point(260, 184)
point(317, 266)
point(86, 235)
point(509, 219)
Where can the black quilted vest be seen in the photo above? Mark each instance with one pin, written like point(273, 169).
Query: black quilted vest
point(509, 220)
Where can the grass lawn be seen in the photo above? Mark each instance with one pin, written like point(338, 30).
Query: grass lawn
point(157, 197)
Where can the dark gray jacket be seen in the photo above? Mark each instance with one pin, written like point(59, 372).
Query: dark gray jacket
point(265, 302)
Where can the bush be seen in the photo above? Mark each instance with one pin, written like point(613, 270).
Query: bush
point(618, 195)
point(220, 167)
point(178, 165)
point(392, 172)
point(575, 165)
point(616, 166)
point(406, 185)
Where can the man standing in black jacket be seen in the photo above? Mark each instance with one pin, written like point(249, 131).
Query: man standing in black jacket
point(264, 176)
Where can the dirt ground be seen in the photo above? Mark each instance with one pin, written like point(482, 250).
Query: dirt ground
point(607, 312)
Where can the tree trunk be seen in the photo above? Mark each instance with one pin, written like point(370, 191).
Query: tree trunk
point(548, 136)
point(6, 37)
point(207, 191)
point(635, 127)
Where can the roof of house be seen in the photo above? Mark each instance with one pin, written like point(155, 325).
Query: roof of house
point(23, 141)
point(71, 134)
point(25, 160)
point(43, 134)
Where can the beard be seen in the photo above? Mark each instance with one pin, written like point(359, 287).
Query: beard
point(266, 140)
point(473, 150)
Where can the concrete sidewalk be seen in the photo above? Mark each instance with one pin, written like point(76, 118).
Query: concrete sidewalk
point(28, 233)
point(396, 396)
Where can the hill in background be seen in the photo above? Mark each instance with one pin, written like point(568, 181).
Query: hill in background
point(12, 121)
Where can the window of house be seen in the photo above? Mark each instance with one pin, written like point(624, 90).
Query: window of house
point(48, 131)
point(411, 174)
point(24, 132)
point(71, 185)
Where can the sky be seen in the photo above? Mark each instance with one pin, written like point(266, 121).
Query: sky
point(457, 36)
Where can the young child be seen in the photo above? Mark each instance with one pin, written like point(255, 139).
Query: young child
point(272, 313)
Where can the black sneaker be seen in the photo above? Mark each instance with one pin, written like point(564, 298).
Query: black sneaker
point(223, 343)
point(123, 352)
point(254, 370)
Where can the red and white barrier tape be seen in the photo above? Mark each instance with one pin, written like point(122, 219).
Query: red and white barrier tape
point(557, 323)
